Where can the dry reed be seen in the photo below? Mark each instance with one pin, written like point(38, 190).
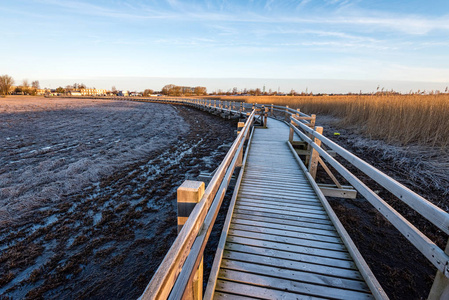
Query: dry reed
point(402, 119)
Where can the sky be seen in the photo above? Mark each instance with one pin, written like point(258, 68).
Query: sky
point(323, 45)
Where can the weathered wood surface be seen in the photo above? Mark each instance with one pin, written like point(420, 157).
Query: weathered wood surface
point(280, 242)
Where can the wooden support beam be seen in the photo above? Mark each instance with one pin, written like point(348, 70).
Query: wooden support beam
point(189, 194)
point(328, 171)
point(313, 163)
point(334, 191)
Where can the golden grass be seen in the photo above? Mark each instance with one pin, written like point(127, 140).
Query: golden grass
point(403, 119)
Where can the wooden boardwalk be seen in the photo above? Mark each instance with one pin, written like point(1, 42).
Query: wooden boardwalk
point(281, 242)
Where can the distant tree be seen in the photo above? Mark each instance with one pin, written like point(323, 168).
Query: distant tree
point(25, 83)
point(235, 90)
point(35, 84)
point(81, 86)
point(147, 92)
point(114, 90)
point(168, 90)
point(176, 91)
point(60, 90)
point(6, 82)
point(200, 90)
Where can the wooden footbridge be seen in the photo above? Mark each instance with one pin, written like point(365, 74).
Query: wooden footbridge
point(281, 238)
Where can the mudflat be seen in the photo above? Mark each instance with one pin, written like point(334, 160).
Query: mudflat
point(88, 191)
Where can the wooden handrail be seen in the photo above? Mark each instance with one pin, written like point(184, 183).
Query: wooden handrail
point(165, 277)
point(427, 209)
point(429, 249)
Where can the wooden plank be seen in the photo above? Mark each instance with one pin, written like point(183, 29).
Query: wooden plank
point(308, 197)
point(294, 217)
point(282, 221)
point(265, 224)
point(292, 286)
point(285, 233)
point(308, 275)
point(281, 211)
point(287, 240)
point(308, 202)
point(283, 203)
point(274, 181)
point(225, 296)
point(279, 206)
point(291, 256)
point(225, 287)
point(294, 190)
point(273, 244)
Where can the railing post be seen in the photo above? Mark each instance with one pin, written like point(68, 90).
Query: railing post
point(265, 117)
point(291, 133)
point(312, 122)
point(286, 114)
point(440, 286)
point(313, 163)
point(189, 194)
point(271, 109)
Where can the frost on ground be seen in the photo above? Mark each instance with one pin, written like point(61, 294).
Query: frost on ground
point(423, 169)
point(113, 169)
point(52, 147)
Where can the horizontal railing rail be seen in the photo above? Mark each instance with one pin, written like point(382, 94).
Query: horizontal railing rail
point(424, 207)
point(177, 268)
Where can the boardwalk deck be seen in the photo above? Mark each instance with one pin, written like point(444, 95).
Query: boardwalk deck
point(281, 242)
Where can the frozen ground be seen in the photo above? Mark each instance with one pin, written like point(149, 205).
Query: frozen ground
point(88, 192)
point(54, 147)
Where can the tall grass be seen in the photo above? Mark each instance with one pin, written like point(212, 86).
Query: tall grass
point(402, 119)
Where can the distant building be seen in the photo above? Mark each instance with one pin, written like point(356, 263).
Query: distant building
point(42, 92)
point(123, 93)
point(93, 92)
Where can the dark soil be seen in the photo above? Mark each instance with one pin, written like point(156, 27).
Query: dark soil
point(107, 240)
point(400, 268)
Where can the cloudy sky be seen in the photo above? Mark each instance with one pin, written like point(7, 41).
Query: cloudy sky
point(110, 42)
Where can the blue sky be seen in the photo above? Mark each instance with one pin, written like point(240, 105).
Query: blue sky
point(103, 42)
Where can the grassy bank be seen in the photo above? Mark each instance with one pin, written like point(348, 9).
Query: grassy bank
point(403, 119)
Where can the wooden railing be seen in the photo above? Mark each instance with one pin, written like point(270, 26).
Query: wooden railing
point(179, 266)
point(438, 257)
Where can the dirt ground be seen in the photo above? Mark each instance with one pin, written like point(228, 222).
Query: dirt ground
point(400, 268)
point(96, 211)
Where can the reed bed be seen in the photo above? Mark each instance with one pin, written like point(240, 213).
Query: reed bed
point(402, 119)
